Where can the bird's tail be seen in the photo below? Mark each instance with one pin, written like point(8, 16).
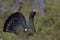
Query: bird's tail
point(6, 27)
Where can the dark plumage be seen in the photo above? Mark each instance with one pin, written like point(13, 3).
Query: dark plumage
point(17, 21)
point(14, 22)
point(31, 26)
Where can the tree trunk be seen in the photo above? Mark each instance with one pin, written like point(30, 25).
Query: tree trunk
point(39, 5)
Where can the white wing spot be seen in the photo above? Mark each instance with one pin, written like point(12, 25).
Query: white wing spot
point(8, 24)
point(7, 30)
point(25, 29)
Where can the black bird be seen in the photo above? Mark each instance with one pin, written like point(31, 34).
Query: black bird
point(16, 21)
point(31, 27)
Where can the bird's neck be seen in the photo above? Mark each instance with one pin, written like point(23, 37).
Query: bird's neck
point(31, 19)
point(30, 22)
point(31, 25)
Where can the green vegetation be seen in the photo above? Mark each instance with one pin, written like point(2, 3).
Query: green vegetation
point(47, 27)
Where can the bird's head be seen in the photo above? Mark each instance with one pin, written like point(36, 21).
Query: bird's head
point(32, 14)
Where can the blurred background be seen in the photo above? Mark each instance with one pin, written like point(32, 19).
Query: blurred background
point(46, 21)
